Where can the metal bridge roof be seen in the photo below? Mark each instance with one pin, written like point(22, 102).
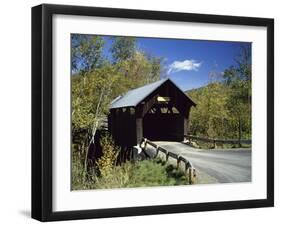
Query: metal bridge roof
point(133, 97)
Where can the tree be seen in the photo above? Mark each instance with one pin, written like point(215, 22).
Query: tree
point(156, 67)
point(123, 48)
point(209, 117)
point(238, 78)
point(86, 52)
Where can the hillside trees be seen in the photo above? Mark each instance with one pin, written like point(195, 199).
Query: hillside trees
point(238, 79)
point(209, 118)
point(224, 106)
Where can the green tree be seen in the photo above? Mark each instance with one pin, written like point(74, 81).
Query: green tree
point(209, 117)
point(86, 52)
point(238, 79)
point(157, 68)
point(123, 48)
point(138, 70)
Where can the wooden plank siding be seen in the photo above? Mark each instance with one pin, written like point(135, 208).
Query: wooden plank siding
point(122, 127)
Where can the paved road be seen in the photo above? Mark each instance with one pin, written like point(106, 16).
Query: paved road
point(221, 166)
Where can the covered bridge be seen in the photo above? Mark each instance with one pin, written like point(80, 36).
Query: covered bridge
point(157, 111)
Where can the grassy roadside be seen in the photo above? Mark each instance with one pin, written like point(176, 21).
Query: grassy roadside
point(146, 173)
point(108, 174)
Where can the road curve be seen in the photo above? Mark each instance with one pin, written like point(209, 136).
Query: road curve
point(223, 166)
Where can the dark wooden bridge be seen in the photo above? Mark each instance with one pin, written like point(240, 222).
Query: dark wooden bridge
point(157, 111)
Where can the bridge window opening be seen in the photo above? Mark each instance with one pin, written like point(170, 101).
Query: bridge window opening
point(169, 110)
point(175, 110)
point(152, 111)
point(161, 99)
point(132, 111)
point(164, 110)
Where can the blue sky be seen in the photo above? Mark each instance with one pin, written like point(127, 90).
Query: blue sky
point(188, 62)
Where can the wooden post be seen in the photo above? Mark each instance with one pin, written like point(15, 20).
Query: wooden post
point(215, 145)
point(190, 172)
point(191, 175)
point(167, 156)
point(178, 162)
point(194, 173)
point(145, 143)
point(186, 167)
point(157, 151)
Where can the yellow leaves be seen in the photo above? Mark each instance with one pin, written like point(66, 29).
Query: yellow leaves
point(107, 161)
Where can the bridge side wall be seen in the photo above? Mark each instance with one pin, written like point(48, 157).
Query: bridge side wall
point(122, 127)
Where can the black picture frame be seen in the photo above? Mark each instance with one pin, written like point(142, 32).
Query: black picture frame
point(42, 111)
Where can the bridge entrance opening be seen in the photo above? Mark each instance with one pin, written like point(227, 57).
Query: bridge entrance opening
point(163, 122)
point(163, 127)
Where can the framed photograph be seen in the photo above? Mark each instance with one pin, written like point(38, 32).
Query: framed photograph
point(146, 112)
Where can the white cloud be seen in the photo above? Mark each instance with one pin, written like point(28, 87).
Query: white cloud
point(186, 65)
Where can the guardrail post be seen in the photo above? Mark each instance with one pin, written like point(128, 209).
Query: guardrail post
point(194, 173)
point(191, 172)
point(215, 145)
point(167, 156)
point(145, 143)
point(178, 162)
point(157, 151)
point(186, 167)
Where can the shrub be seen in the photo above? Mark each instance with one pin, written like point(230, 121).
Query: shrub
point(107, 162)
point(150, 173)
point(118, 178)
